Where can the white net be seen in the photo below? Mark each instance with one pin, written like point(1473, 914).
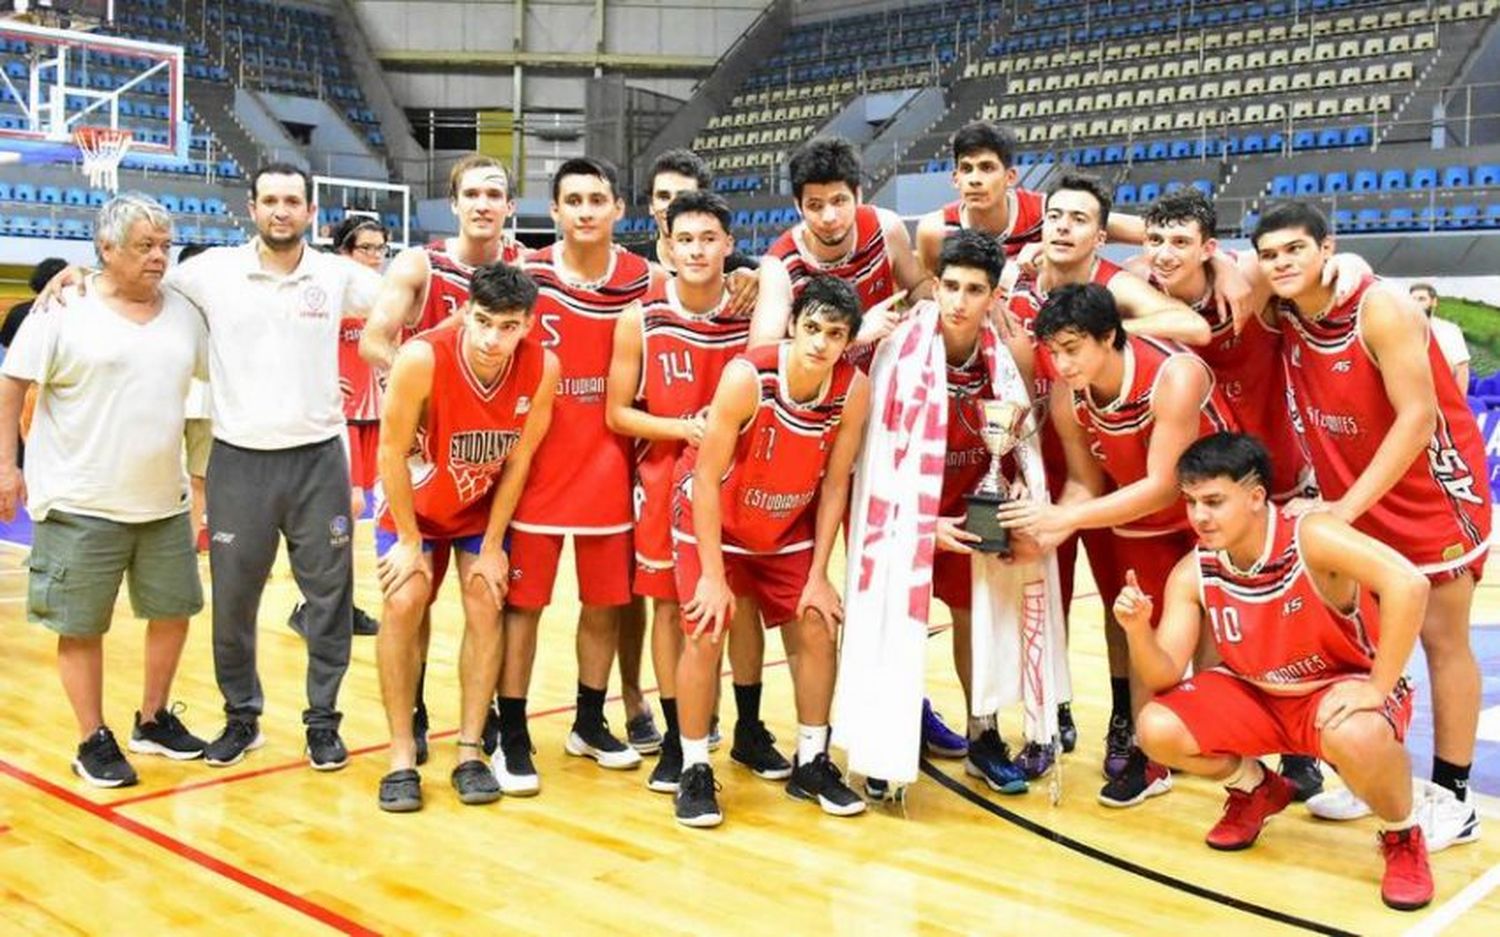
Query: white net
point(102, 149)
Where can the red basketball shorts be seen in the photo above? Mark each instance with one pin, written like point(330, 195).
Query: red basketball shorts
point(364, 449)
point(602, 563)
point(773, 580)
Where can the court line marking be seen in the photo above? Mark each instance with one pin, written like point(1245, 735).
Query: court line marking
point(1125, 865)
point(1451, 910)
point(366, 750)
point(234, 873)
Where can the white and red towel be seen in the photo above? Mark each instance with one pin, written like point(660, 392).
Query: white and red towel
point(1017, 619)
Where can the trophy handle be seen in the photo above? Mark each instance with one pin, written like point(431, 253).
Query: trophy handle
point(1036, 418)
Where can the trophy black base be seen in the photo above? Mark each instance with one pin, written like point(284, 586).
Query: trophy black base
point(981, 520)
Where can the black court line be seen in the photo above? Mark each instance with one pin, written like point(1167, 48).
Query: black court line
point(1125, 865)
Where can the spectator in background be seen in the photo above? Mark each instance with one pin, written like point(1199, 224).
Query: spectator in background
point(40, 274)
point(1449, 336)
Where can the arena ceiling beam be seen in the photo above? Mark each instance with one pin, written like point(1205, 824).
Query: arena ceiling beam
point(424, 60)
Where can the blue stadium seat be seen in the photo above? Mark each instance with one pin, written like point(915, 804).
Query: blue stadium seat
point(24, 192)
point(1400, 218)
point(1137, 152)
point(49, 195)
point(1283, 187)
point(1125, 194)
point(192, 205)
point(1336, 182)
point(1456, 177)
point(1180, 149)
point(1252, 143)
point(174, 205)
point(72, 229)
point(1424, 177)
point(1357, 136)
point(1487, 174)
point(1092, 156)
point(1307, 183)
point(1365, 180)
point(1148, 192)
point(1304, 140)
point(1431, 216)
point(1157, 150)
point(97, 198)
point(1464, 216)
point(1248, 223)
point(1368, 219)
point(5, 193)
point(1274, 142)
point(1393, 180)
point(1205, 186)
point(1114, 154)
point(742, 219)
point(1332, 137)
point(1173, 185)
point(1491, 217)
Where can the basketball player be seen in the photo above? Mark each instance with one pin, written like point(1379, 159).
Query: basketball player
point(756, 510)
point(1397, 454)
point(838, 236)
point(868, 248)
point(104, 481)
point(422, 288)
point(1125, 409)
point(1314, 622)
point(468, 404)
point(580, 478)
point(669, 352)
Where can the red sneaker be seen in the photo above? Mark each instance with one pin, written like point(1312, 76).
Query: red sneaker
point(1407, 883)
point(1246, 814)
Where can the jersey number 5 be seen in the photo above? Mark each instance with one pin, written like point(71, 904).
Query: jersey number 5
point(549, 325)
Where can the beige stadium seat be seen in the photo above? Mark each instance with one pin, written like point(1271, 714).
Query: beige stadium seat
point(1302, 81)
point(1468, 10)
point(1230, 115)
point(1037, 134)
point(1098, 128)
point(971, 70)
point(1132, 51)
point(1171, 46)
point(1400, 42)
point(1124, 99)
point(1090, 79)
point(1255, 113)
point(1234, 63)
point(1208, 90)
point(1379, 102)
point(1376, 73)
point(1278, 83)
point(1208, 117)
point(1275, 112)
point(1070, 80)
point(1028, 110)
point(1368, 21)
point(1401, 71)
point(1146, 98)
point(1015, 86)
point(1350, 76)
point(1256, 86)
point(1119, 126)
point(1130, 74)
point(1044, 107)
point(1230, 88)
point(1034, 85)
point(1057, 60)
point(1301, 110)
point(1276, 34)
point(1138, 124)
point(988, 112)
point(1002, 66)
point(1443, 12)
point(1109, 77)
point(1255, 37)
point(1328, 107)
point(1052, 83)
point(1349, 49)
point(1057, 132)
point(1166, 94)
point(1153, 48)
point(1423, 40)
point(1213, 41)
point(1084, 103)
point(1114, 53)
point(1344, 24)
point(1192, 43)
point(1416, 15)
point(1078, 129)
point(1372, 47)
point(1300, 30)
point(1234, 39)
point(1159, 122)
point(1302, 55)
point(1064, 105)
point(1327, 78)
point(1103, 101)
point(1322, 27)
point(1189, 68)
point(1255, 60)
point(1151, 72)
point(1075, 58)
point(1184, 120)
point(1325, 52)
point(1279, 58)
point(1354, 105)
point(1170, 70)
point(1187, 92)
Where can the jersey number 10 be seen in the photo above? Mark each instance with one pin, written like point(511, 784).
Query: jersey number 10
point(1226, 623)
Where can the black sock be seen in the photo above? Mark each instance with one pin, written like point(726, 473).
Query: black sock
point(669, 713)
point(590, 706)
point(1454, 777)
point(1119, 698)
point(512, 715)
point(747, 703)
point(422, 688)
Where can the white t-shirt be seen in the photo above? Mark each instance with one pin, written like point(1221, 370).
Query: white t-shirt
point(273, 341)
point(1450, 339)
point(106, 438)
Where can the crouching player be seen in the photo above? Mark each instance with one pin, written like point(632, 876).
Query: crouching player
point(755, 513)
point(467, 404)
point(1314, 622)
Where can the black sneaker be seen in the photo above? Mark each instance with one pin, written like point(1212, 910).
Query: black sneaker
point(1067, 729)
point(667, 774)
point(475, 783)
point(166, 735)
point(325, 750)
point(1118, 744)
point(401, 791)
point(295, 620)
point(364, 624)
point(239, 736)
point(101, 763)
point(1140, 779)
point(1305, 775)
point(820, 781)
point(596, 742)
point(695, 803)
point(989, 760)
point(513, 767)
point(489, 736)
point(755, 748)
point(419, 729)
point(642, 734)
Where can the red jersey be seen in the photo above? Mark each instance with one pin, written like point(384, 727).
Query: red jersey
point(1247, 370)
point(448, 283)
point(1026, 210)
point(357, 379)
point(682, 356)
point(968, 459)
point(1438, 513)
point(867, 269)
point(769, 497)
point(1120, 431)
point(580, 477)
point(1273, 627)
point(1025, 302)
point(468, 430)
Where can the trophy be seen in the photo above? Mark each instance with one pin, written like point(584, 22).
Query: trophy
point(1005, 424)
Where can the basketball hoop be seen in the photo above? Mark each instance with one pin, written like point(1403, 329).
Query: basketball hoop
point(103, 148)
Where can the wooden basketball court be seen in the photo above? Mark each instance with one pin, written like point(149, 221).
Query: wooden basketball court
point(271, 847)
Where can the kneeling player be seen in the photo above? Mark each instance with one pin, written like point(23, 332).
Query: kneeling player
point(468, 402)
point(1312, 659)
point(755, 514)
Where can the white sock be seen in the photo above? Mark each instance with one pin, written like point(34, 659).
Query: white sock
point(1406, 823)
point(1247, 776)
point(978, 725)
point(694, 752)
point(812, 741)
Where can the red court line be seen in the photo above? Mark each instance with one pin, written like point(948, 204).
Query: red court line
point(218, 866)
point(302, 762)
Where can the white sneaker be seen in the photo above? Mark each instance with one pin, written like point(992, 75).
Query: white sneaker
point(525, 783)
point(1445, 820)
point(1338, 805)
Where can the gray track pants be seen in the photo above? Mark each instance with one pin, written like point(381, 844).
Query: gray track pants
point(253, 497)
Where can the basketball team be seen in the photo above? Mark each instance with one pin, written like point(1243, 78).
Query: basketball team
point(1265, 455)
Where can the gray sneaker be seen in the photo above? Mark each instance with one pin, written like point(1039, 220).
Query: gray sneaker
point(475, 784)
point(401, 792)
point(641, 733)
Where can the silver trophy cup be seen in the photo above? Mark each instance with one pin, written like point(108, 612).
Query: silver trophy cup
point(1005, 424)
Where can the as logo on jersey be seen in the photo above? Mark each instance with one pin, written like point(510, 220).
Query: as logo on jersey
point(1343, 366)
